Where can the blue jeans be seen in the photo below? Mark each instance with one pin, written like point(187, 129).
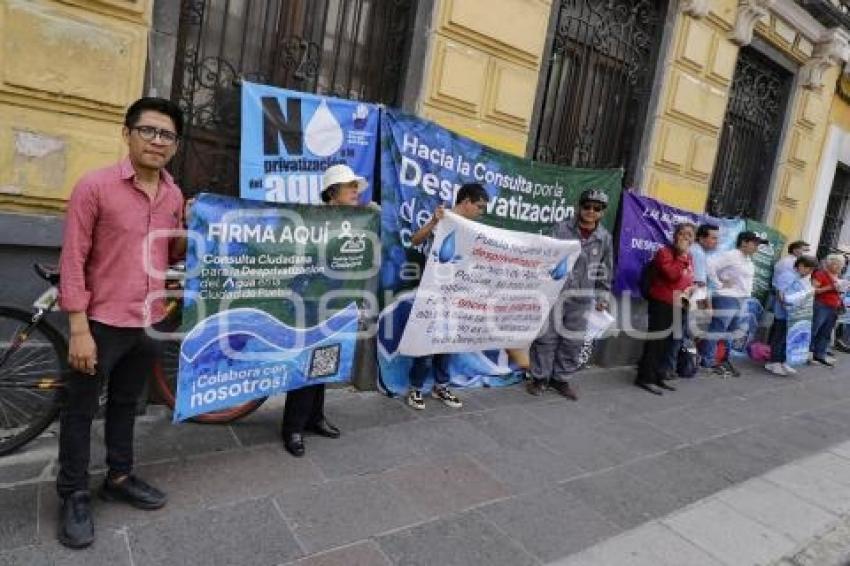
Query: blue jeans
point(726, 319)
point(421, 367)
point(823, 322)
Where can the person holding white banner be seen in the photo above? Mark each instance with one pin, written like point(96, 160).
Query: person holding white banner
point(470, 203)
point(792, 288)
point(561, 349)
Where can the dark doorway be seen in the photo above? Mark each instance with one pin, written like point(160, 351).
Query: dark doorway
point(353, 49)
point(750, 137)
point(596, 84)
point(836, 211)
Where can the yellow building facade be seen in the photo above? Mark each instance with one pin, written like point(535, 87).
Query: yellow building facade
point(69, 68)
point(68, 71)
point(484, 69)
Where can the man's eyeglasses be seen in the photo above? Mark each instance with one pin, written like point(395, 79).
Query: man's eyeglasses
point(593, 207)
point(149, 133)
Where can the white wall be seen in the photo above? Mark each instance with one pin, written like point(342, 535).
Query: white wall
point(836, 150)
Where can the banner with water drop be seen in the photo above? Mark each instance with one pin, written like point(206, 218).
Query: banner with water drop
point(485, 288)
point(273, 299)
point(289, 138)
point(423, 165)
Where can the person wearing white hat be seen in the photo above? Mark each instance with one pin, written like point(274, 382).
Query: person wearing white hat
point(341, 186)
point(304, 408)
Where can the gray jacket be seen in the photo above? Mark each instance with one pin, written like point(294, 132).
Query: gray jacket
point(593, 270)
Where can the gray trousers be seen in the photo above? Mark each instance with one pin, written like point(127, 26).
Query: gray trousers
point(554, 356)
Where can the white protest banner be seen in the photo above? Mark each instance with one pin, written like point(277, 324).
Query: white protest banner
point(485, 288)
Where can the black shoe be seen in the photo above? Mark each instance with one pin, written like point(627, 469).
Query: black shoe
point(536, 387)
point(134, 491)
point(564, 389)
point(823, 361)
point(648, 387)
point(324, 428)
point(664, 385)
point(76, 528)
point(731, 369)
point(294, 444)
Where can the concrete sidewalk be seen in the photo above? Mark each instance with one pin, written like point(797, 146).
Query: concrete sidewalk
point(509, 479)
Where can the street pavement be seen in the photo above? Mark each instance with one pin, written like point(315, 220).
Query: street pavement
point(510, 479)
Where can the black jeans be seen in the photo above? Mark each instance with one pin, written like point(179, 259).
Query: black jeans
point(303, 408)
point(778, 341)
point(419, 371)
point(656, 351)
point(125, 358)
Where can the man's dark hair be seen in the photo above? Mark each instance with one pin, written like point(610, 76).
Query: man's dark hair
point(747, 236)
point(796, 245)
point(806, 261)
point(161, 105)
point(473, 192)
point(704, 229)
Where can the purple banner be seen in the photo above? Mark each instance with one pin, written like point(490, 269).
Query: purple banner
point(646, 225)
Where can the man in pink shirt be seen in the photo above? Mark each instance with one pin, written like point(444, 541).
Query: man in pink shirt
point(116, 247)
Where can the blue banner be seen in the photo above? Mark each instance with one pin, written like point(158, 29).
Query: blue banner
point(290, 138)
point(422, 166)
point(271, 300)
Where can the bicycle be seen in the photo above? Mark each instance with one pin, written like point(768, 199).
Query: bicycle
point(166, 369)
point(34, 364)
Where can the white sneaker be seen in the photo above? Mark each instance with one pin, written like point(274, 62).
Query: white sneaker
point(415, 400)
point(447, 397)
point(789, 369)
point(776, 369)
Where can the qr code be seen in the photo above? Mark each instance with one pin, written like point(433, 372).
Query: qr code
point(324, 362)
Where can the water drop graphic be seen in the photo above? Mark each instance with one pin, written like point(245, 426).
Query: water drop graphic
point(323, 135)
point(447, 249)
point(560, 270)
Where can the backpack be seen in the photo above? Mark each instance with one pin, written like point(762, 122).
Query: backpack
point(687, 359)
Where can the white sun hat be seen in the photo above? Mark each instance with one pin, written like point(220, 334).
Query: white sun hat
point(342, 173)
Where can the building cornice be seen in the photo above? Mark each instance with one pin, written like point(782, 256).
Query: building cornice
point(749, 14)
point(695, 8)
point(800, 19)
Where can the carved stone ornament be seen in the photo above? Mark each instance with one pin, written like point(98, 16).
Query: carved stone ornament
point(833, 49)
point(695, 8)
point(749, 13)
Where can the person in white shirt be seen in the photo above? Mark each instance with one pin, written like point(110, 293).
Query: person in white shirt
point(731, 275)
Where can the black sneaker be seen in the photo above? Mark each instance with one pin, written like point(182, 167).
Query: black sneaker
point(76, 528)
point(536, 387)
point(448, 398)
point(731, 369)
point(134, 491)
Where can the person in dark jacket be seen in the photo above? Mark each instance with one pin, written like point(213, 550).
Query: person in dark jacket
point(560, 350)
point(671, 282)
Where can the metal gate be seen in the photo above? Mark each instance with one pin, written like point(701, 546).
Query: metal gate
point(750, 137)
point(837, 208)
point(598, 81)
point(353, 49)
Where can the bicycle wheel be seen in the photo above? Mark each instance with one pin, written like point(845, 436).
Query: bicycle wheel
point(31, 372)
point(165, 373)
